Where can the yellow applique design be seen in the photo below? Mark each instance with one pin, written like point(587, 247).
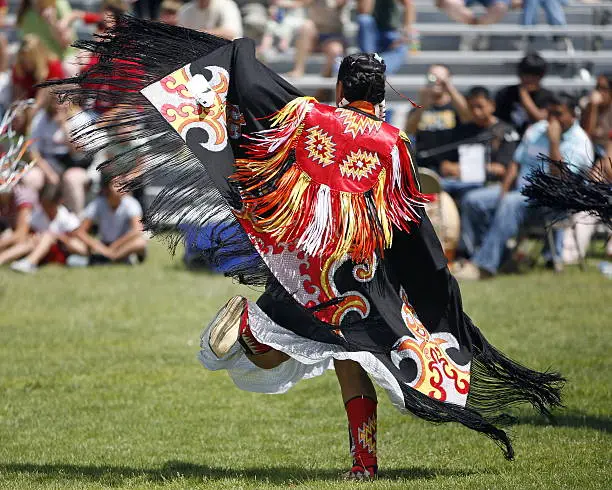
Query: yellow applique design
point(320, 146)
point(359, 164)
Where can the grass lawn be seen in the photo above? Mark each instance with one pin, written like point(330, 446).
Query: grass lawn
point(100, 387)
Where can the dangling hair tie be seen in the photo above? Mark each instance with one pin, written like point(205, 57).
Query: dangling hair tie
point(414, 104)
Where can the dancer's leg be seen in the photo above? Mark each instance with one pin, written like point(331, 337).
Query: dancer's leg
point(359, 397)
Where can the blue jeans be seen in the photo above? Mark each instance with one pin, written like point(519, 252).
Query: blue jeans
point(456, 188)
point(372, 40)
point(488, 223)
point(555, 16)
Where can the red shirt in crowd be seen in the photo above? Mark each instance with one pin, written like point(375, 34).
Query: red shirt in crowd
point(26, 81)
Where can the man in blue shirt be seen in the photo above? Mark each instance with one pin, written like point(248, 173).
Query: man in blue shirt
point(493, 215)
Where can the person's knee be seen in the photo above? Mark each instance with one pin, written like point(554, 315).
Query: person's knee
point(334, 49)
point(74, 177)
point(308, 29)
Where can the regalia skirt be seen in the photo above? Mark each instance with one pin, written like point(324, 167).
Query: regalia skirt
point(192, 107)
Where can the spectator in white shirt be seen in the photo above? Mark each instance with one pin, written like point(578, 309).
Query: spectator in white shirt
point(219, 17)
point(118, 218)
point(52, 240)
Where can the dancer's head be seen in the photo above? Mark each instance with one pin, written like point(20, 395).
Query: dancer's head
point(361, 77)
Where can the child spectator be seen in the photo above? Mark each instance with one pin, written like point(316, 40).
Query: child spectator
point(56, 153)
point(443, 108)
point(285, 18)
point(16, 207)
point(118, 218)
point(48, 237)
point(525, 103)
point(34, 64)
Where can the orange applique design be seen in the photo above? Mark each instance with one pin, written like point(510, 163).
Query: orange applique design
point(360, 164)
point(438, 376)
point(320, 146)
point(356, 124)
point(366, 435)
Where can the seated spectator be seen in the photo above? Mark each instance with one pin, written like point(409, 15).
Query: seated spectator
point(555, 16)
point(597, 115)
point(169, 12)
point(487, 149)
point(48, 238)
point(118, 218)
point(382, 31)
point(493, 215)
point(322, 30)
point(219, 17)
point(443, 108)
point(16, 205)
point(459, 10)
point(44, 18)
point(34, 64)
point(525, 103)
point(56, 154)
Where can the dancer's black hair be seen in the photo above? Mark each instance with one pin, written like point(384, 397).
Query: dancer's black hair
point(363, 77)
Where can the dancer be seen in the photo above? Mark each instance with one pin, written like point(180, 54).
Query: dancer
point(321, 206)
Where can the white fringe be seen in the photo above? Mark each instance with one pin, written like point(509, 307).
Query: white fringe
point(317, 234)
point(397, 167)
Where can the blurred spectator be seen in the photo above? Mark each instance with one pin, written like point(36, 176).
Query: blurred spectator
point(169, 12)
point(255, 17)
point(459, 10)
point(118, 218)
point(555, 16)
point(56, 154)
point(487, 148)
point(597, 115)
point(147, 9)
point(525, 103)
point(219, 17)
point(16, 207)
point(52, 240)
point(44, 18)
point(323, 30)
point(493, 215)
point(443, 108)
point(285, 18)
point(381, 30)
point(34, 64)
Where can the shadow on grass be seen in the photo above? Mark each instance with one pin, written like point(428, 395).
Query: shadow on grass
point(172, 470)
point(570, 419)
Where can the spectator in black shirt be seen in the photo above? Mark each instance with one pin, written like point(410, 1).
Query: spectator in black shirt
point(490, 146)
point(443, 108)
point(524, 104)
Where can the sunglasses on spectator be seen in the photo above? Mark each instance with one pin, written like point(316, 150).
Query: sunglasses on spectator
point(602, 88)
point(555, 113)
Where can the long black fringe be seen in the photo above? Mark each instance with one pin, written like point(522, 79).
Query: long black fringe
point(145, 150)
point(572, 191)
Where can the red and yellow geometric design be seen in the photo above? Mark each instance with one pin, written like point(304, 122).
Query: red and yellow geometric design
point(366, 435)
point(357, 124)
point(360, 164)
point(320, 146)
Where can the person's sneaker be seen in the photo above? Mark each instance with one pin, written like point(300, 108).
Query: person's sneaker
point(25, 266)
point(225, 326)
point(76, 260)
point(468, 272)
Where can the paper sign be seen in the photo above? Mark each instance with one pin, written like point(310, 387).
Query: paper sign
point(472, 163)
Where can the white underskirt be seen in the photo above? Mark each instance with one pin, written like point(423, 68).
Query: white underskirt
point(308, 359)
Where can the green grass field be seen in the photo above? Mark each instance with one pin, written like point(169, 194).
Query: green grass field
point(100, 387)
